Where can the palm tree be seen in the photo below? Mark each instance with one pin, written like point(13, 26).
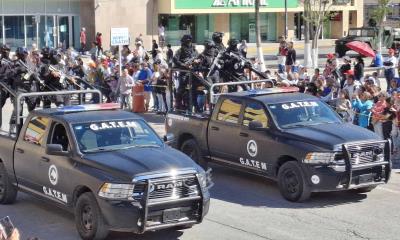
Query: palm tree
point(260, 54)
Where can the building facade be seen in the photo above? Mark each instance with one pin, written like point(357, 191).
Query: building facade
point(53, 22)
point(43, 22)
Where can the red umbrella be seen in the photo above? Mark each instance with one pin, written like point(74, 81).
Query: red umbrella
point(361, 48)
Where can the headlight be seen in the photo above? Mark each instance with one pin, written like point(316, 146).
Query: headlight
point(205, 179)
point(319, 158)
point(115, 191)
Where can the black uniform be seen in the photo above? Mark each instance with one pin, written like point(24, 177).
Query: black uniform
point(50, 78)
point(233, 65)
point(6, 74)
point(217, 39)
point(183, 58)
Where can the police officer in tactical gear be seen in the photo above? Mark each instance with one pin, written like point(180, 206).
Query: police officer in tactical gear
point(217, 39)
point(183, 59)
point(233, 64)
point(51, 77)
point(6, 74)
point(25, 80)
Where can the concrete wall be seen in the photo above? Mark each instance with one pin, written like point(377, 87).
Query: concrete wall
point(221, 24)
point(280, 25)
point(140, 16)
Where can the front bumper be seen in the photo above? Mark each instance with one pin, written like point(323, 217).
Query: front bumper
point(155, 208)
point(136, 218)
point(350, 175)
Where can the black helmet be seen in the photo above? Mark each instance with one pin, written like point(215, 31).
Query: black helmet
point(233, 42)
point(217, 37)
point(45, 52)
point(208, 44)
point(21, 52)
point(55, 57)
point(5, 47)
point(186, 38)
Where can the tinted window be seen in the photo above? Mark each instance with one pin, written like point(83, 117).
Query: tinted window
point(255, 112)
point(229, 111)
point(60, 136)
point(302, 113)
point(36, 130)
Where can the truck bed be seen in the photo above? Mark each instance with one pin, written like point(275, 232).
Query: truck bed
point(194, 125)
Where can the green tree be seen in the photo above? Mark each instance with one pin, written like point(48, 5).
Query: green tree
point(379, 15)
point(316, 12)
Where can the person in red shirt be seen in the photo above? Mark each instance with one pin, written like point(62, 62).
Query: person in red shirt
point(82, 39)
point(99, 43)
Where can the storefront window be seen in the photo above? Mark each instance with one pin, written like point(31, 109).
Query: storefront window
point(49, 32)
point(1, 29)
point(14, 31)
point(42, 32)
point(178, 25)
point(243, 26)
point(31, 30)
point(63, 31)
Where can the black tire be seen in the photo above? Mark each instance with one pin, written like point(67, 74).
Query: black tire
point(88, 218)
point(8, 192)
point(364, 189)
point(292, 183)
point(191, 148)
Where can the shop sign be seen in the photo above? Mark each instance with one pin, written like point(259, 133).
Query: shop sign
point(119, 36)
point(215, 4)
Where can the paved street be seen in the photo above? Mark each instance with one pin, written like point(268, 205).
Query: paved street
point(245, 207)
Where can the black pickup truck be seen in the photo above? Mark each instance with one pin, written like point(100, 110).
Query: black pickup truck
point(107, 166)
point(291, 137)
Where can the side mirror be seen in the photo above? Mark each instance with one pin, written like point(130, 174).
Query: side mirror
point(256, 126)
point(169, 138)
point(55, 149)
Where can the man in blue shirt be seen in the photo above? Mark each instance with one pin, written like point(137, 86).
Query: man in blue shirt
point(144, 77)
point(377, 61)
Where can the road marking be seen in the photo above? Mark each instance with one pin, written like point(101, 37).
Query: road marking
point(388, 190)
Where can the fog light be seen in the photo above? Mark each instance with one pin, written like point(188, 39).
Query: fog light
point(139, 222)
point(315, 179)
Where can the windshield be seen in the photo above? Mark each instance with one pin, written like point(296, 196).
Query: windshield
point(355, 32)
point(115, 135)
point(302, 113)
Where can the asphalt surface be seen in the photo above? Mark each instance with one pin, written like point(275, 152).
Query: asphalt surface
point(244, 207)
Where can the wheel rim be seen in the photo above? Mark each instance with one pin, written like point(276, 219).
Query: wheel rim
point(87, 218)
point(291, 182)
point(2, 186)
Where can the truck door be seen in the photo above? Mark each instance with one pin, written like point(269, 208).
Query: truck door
point(257, 147)
point(223, 132)
point(56, 171)
point(29, 150)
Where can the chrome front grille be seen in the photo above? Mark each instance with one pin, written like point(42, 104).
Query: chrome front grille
point(362, 154)
point(168, 188)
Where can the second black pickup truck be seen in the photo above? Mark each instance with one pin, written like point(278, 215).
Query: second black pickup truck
point(290, 137)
